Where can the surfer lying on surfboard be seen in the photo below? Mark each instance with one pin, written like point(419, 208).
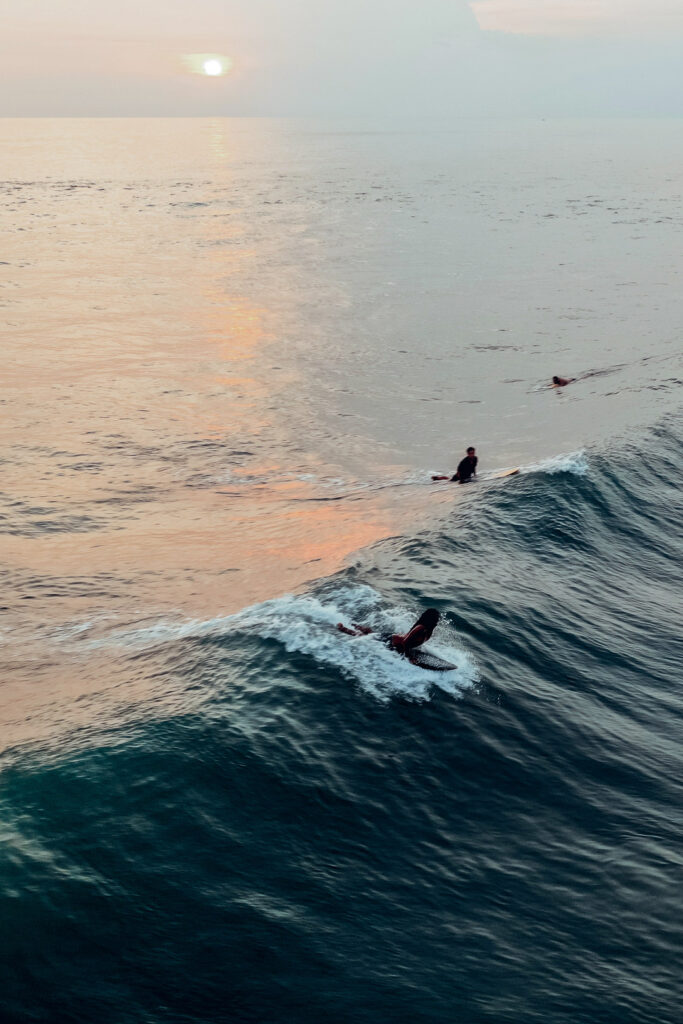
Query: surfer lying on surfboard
point(404, 643)
point(466, 469)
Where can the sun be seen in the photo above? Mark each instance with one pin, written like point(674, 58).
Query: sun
point(212, 67)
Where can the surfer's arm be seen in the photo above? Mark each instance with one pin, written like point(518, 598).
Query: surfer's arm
point(406, 644)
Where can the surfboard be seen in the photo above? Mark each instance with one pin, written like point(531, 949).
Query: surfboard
point(419, 657)
point(425, 659)
point(494, 476)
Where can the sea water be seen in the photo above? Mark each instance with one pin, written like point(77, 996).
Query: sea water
point(234, 352)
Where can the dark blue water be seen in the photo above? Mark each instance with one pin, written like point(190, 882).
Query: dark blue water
point(307, 828)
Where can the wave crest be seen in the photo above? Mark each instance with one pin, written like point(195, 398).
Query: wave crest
point(306, 624)
point(570, 462)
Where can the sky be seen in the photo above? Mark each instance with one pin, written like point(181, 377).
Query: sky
point(341, 57)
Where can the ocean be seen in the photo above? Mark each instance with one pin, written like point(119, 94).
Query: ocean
point(234, 354)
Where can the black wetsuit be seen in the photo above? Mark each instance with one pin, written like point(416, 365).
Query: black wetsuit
point(466, 469)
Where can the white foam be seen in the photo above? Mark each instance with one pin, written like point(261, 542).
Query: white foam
point(570, 462)
point(307, 624)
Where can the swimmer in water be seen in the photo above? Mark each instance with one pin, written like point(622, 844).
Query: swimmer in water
point(404, 643)
point(561, 382)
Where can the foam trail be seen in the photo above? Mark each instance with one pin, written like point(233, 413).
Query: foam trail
point(307, 625)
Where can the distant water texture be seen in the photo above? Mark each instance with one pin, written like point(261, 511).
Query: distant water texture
point(234, 354)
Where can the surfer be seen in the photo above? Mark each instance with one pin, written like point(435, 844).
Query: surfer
point(467, 468)
point(404, 643)
point(561, 382)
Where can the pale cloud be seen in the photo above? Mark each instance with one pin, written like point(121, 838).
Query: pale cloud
point(580, 17)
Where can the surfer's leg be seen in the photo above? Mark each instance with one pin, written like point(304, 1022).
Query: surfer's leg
point(356, 631)
point(345, 629)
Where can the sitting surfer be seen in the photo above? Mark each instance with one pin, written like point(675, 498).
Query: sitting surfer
point(404, 643)
point(561, 382)
point(466, 469)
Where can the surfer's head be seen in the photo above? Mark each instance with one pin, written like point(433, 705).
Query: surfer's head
point(470, 451)
point(556, 380)
point(429, 619)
